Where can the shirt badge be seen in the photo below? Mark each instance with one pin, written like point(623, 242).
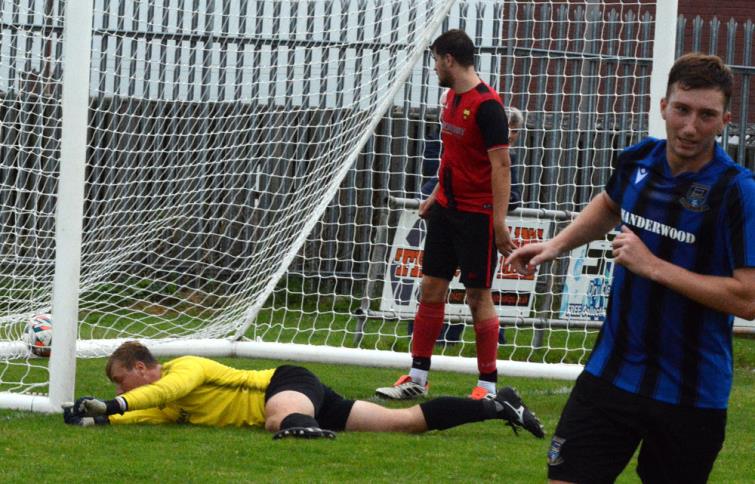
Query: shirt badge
point(466, 113)
point(696, 198)
point(640, 175)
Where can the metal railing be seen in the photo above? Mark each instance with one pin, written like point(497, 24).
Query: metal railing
point(130, 76)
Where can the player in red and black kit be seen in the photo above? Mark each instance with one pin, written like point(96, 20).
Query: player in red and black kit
point(466, 219)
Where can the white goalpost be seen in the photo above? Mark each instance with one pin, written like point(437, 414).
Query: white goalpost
point(239, 177)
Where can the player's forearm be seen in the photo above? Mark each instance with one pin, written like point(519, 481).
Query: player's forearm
point(594, 222)
point(169, 388)
point(434, 193)
point(153, 416)
point(148, 396)
point(500, 179)
point(424, 206)
point(730, 295)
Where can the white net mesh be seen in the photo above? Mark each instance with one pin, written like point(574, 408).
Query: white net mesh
point(579, 72)
point(30, 73)
point(222, 154)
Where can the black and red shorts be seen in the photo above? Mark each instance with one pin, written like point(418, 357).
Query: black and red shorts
point(460, 240)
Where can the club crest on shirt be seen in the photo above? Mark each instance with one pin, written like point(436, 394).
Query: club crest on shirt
point(554, 453)
point(696, 198)
point(466, 113)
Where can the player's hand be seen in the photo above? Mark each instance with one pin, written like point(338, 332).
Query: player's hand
point(425, 205)
point(503, 240)
point(525, 259)
point(631, 252)
point(90, 407)
point(93, 407)
point(71, 417)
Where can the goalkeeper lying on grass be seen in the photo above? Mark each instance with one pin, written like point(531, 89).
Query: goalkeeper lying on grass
point(288, 400)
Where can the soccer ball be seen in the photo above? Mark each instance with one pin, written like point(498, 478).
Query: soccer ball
point(38, 334)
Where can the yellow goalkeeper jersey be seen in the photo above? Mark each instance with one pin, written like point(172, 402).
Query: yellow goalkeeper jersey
point(199, 391)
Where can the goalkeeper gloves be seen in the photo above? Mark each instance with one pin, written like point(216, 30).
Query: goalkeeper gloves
point(93, 407)
point(72, 418)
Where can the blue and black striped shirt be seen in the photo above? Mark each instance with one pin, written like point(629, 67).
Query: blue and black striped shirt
point(656, 342)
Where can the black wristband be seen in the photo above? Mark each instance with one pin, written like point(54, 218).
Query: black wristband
point(101, 420)
point(113, 407)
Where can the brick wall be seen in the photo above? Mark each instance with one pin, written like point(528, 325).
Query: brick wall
point(724, 10)
point(740, 10)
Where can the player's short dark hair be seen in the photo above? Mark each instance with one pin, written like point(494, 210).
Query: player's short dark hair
point(701, 71)
point(456, 43)
point(128, 354)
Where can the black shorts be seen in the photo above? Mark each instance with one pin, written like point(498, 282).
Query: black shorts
point(463, 240)
point(602, 425)
point(331, 409)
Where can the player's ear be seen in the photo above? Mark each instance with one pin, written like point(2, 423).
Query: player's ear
point(727, 117)
point(664, 104)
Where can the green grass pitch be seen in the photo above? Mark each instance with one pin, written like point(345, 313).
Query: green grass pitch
point(35, 447)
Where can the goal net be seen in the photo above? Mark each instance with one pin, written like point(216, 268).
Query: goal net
point(252, 168)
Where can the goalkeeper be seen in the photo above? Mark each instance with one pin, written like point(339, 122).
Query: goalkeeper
point(289, 401)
